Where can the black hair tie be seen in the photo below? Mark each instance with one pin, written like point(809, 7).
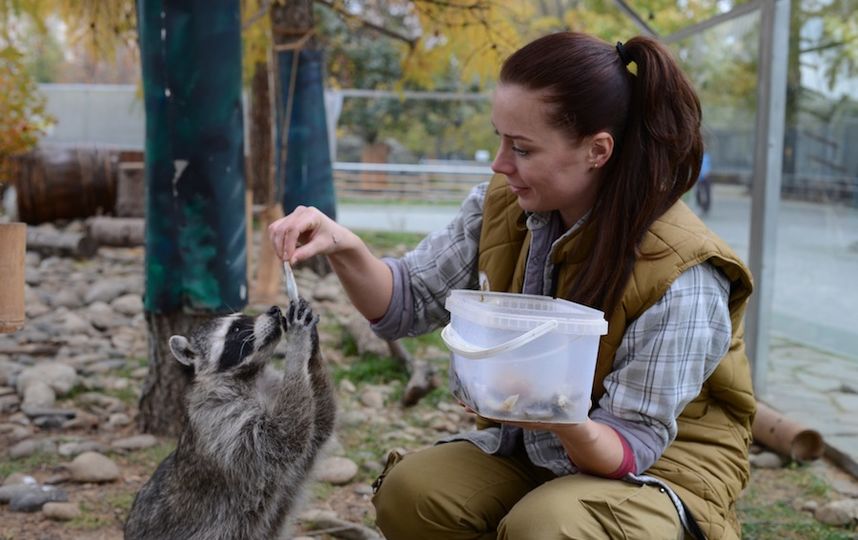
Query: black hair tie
point(624, 56)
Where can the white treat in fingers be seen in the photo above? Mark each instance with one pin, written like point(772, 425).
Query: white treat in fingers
point(291, 286)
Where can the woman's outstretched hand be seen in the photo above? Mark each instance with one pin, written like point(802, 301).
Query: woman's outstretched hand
point(307, 232)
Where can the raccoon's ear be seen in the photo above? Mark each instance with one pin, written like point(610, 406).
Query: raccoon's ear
point(183, 350)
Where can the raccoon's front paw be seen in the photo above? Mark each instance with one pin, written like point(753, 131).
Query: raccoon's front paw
point(301, 335)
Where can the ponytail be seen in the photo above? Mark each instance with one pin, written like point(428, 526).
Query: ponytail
point(654, 117)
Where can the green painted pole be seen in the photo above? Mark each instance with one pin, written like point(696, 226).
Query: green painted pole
point(195, 218)
point(195, 227)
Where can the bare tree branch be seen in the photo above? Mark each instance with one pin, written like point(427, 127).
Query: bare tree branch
point(411, 41)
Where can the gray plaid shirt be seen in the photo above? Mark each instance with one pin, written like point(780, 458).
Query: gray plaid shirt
point(661, 363)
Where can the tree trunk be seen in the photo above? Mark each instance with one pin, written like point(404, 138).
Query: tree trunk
point(302, 154)
point(261, 136)
point(162, 404)
point(196, 260)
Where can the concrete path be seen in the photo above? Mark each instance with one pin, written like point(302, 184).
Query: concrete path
point(813, 365)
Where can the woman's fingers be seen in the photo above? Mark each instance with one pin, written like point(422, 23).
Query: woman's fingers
point(302, 234)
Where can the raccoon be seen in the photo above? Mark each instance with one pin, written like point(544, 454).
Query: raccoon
point(252, 434)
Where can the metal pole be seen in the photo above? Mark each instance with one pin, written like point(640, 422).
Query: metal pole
point(766, 183)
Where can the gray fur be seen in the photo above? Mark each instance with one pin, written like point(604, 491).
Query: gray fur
point(251, 437)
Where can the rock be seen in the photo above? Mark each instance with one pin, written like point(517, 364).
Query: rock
point(837, 513)
point(61, 511)
point(93, 467)
point(9, 404)
point(118, 420)
point(39, 394)
point(103, 317)
point(352, 418)
point(7, 493)
point(372, 398)
point(137, 442)
point(35, 498)
point(67, 298)
point(106, 291)
point(336, 470)
point(50, 422)
point(128, 304)
point(766, 460)
point(71, 449)
point(347, 386)
point(19, 478)
point(59, 376)
point(29, 447)
point(363, 489)
point(82, 420)
point(70, 323)
point(33, 411)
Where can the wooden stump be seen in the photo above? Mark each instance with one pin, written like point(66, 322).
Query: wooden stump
point(13, 239)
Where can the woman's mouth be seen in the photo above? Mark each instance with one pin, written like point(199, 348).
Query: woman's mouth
point(518, 190)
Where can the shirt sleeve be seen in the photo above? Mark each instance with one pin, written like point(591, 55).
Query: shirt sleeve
point(423, 278)
point(663, 360)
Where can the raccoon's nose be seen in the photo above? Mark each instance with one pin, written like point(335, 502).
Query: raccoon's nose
point(274, 311)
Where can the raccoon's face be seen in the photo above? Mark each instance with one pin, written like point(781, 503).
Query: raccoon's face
point(230, 343)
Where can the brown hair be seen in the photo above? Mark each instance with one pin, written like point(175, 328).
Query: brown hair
point(654, 117)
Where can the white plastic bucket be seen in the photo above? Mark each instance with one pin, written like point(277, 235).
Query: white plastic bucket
point(522, 357)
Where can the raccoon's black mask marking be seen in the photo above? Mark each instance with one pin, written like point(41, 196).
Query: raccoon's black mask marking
point(239, 343)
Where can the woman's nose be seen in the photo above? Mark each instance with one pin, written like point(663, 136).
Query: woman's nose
point(502, 164)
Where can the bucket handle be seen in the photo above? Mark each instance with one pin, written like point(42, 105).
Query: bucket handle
point(461, 347)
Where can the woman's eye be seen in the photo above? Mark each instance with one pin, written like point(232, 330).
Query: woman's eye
point(519, 151)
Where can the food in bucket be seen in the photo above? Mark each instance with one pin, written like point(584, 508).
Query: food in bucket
point(498, 404)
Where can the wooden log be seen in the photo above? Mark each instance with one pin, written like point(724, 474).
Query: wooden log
point(13, 237)
point(64, 183)
point(131, 190)
point(119, 232)
point(63, 244)
point(786, 436)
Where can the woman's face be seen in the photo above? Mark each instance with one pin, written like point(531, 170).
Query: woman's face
point(544, 167)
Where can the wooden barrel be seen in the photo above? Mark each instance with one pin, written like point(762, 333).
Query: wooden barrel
point(13, 238)
point(64, 183)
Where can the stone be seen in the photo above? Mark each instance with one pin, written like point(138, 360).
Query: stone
point(336, 470)
point(35, 498)
point(19, 478)
point(71, 449)
point(106, 290)
point(60, 511)
point(93, 467)
point(103, 317)
point(29, 447)
point(9, 404)
point(372, 399)
point(766, 460)
point(7, 493)
point(39, 394)
point(837, 513)
point(61, 377)
point(128, 304)
point(136, 442)
point(352, 418)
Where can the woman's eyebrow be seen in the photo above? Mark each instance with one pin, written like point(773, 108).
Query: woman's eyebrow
point(512, 136)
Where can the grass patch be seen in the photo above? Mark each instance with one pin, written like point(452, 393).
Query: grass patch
point(384, 241)
point(766, 509)
point(152, 456)
point(370, 369)
point(89, 518)
point(38, 461)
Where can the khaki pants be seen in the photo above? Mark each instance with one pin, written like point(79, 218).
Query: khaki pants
point(456, 491)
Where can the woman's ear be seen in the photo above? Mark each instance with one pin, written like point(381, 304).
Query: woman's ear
point(600, 149)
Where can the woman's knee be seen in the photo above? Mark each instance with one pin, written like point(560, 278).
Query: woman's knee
point(412, 498)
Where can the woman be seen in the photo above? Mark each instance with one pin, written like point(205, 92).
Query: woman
point(592, 162)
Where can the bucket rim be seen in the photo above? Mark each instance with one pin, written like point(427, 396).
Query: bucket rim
point(572, 318)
